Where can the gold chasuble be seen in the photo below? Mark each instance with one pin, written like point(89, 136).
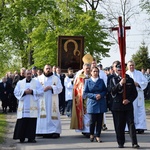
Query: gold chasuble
point(78, 108)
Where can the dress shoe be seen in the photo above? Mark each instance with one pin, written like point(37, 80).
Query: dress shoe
point(140, 131)
point(22, 140)
point(55, 135)
point(87, 135)
point(120, 146)
point(98, 140)
point(135, 146)
point(104, 127)
point(31, 141)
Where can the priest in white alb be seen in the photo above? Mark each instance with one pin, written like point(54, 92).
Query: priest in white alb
point(139, 103)
point(48, 122)
point(28, 92)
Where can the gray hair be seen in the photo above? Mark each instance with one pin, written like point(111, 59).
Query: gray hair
point(131, 61)
point(86, 64)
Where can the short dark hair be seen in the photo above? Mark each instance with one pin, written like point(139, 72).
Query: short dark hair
point(70, 69)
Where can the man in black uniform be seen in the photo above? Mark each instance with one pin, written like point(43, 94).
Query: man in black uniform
point(122, 108)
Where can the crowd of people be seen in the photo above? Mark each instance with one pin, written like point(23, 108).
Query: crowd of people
point(40, 96)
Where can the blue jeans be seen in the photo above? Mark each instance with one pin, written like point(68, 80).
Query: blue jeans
point(69, 108)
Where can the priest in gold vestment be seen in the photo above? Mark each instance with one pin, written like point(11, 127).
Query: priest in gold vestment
point(80, 118)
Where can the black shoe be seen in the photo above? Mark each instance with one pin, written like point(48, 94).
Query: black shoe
point(39, 134)
point(55, 135)
point(104, 127)
point(22, 140)
point(140, 131)
point(120, 146)
point(135, 146)
point(87, 135)
point(31, 141)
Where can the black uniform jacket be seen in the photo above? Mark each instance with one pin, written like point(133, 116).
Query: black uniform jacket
point(3, 89)
point(116, 91)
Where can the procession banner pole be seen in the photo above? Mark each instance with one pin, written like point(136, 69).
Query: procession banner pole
point(122, 46)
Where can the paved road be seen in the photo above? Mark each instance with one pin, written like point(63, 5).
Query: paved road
point(71, 140)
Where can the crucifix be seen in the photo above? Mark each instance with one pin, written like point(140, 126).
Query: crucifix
point(122, 46)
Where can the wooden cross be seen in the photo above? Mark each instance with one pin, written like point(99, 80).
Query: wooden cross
point(122, 45)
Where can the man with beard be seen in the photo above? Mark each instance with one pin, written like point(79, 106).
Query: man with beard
point(49, 125)
point(28, 92)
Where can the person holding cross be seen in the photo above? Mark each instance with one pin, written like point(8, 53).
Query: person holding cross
point(122, 108)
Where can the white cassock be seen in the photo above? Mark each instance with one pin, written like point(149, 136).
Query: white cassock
point(28, 104)
point(139, 102)
point(103, 76)
point(51, 123)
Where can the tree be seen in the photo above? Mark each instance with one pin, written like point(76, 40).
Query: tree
point(71, 21)
point(17, 22)
point(31, 28)
point(112, 10)
point(141, 58)
point(145, 5)
point(93, 4)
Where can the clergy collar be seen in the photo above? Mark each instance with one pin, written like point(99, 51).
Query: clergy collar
point(50, 74)
point(28, 81)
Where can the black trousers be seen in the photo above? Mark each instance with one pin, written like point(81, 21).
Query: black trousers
point(25, 128)
point(12, 103)
point(62, 103)
point(120, 120)
point(96, 121)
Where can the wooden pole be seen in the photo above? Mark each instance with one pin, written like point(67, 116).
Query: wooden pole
point(122, 46)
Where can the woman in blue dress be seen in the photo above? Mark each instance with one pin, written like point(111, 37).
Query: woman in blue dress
point(95, 92)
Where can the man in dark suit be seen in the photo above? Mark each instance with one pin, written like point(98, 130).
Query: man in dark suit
point(34, 72)
point(122, 107)
point(4, 93)
point(61, 76)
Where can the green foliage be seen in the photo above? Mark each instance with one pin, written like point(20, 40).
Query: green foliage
point(71, 21)
point(31, 28)
point(147, 105)
point(3, 126)
point(141, 58)
point(145, 5)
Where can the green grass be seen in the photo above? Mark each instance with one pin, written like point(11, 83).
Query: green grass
point(147, 104)
point(3, 127)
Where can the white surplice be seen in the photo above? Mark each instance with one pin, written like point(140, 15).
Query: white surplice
point(50, 125)
point(68, 88)
point(28, 104)
point(139, 102)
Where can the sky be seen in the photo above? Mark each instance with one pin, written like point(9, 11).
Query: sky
point(134, 37)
